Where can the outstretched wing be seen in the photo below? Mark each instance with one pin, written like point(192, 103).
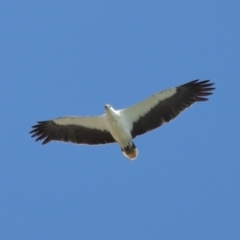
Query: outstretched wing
point(165, 106)
point(81, 130)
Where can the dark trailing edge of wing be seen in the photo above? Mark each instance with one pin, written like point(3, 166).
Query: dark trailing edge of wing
point(50, 131)
point(170, 108)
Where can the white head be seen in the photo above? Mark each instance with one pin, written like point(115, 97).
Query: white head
point(108, 107)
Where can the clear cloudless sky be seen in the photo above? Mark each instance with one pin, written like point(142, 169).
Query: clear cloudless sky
point(61, 58)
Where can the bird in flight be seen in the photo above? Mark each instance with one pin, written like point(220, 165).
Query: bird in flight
point(122, 126)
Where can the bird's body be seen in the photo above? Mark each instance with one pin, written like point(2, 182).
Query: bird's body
point(122, 126)
point(120, 130)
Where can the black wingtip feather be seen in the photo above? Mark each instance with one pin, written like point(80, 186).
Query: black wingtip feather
point(198, 89)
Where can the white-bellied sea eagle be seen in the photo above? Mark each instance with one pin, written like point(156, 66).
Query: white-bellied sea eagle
point(123, 125)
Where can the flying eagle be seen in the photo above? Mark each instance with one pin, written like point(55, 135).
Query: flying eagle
point(123, 125)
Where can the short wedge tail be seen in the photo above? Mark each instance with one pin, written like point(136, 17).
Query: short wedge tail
point(130, 151)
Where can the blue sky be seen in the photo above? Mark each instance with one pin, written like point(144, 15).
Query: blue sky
point(61, 58)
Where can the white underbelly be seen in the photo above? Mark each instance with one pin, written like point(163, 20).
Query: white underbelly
point(120, 132)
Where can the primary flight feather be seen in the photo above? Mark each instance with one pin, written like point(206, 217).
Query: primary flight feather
point(123, 125)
